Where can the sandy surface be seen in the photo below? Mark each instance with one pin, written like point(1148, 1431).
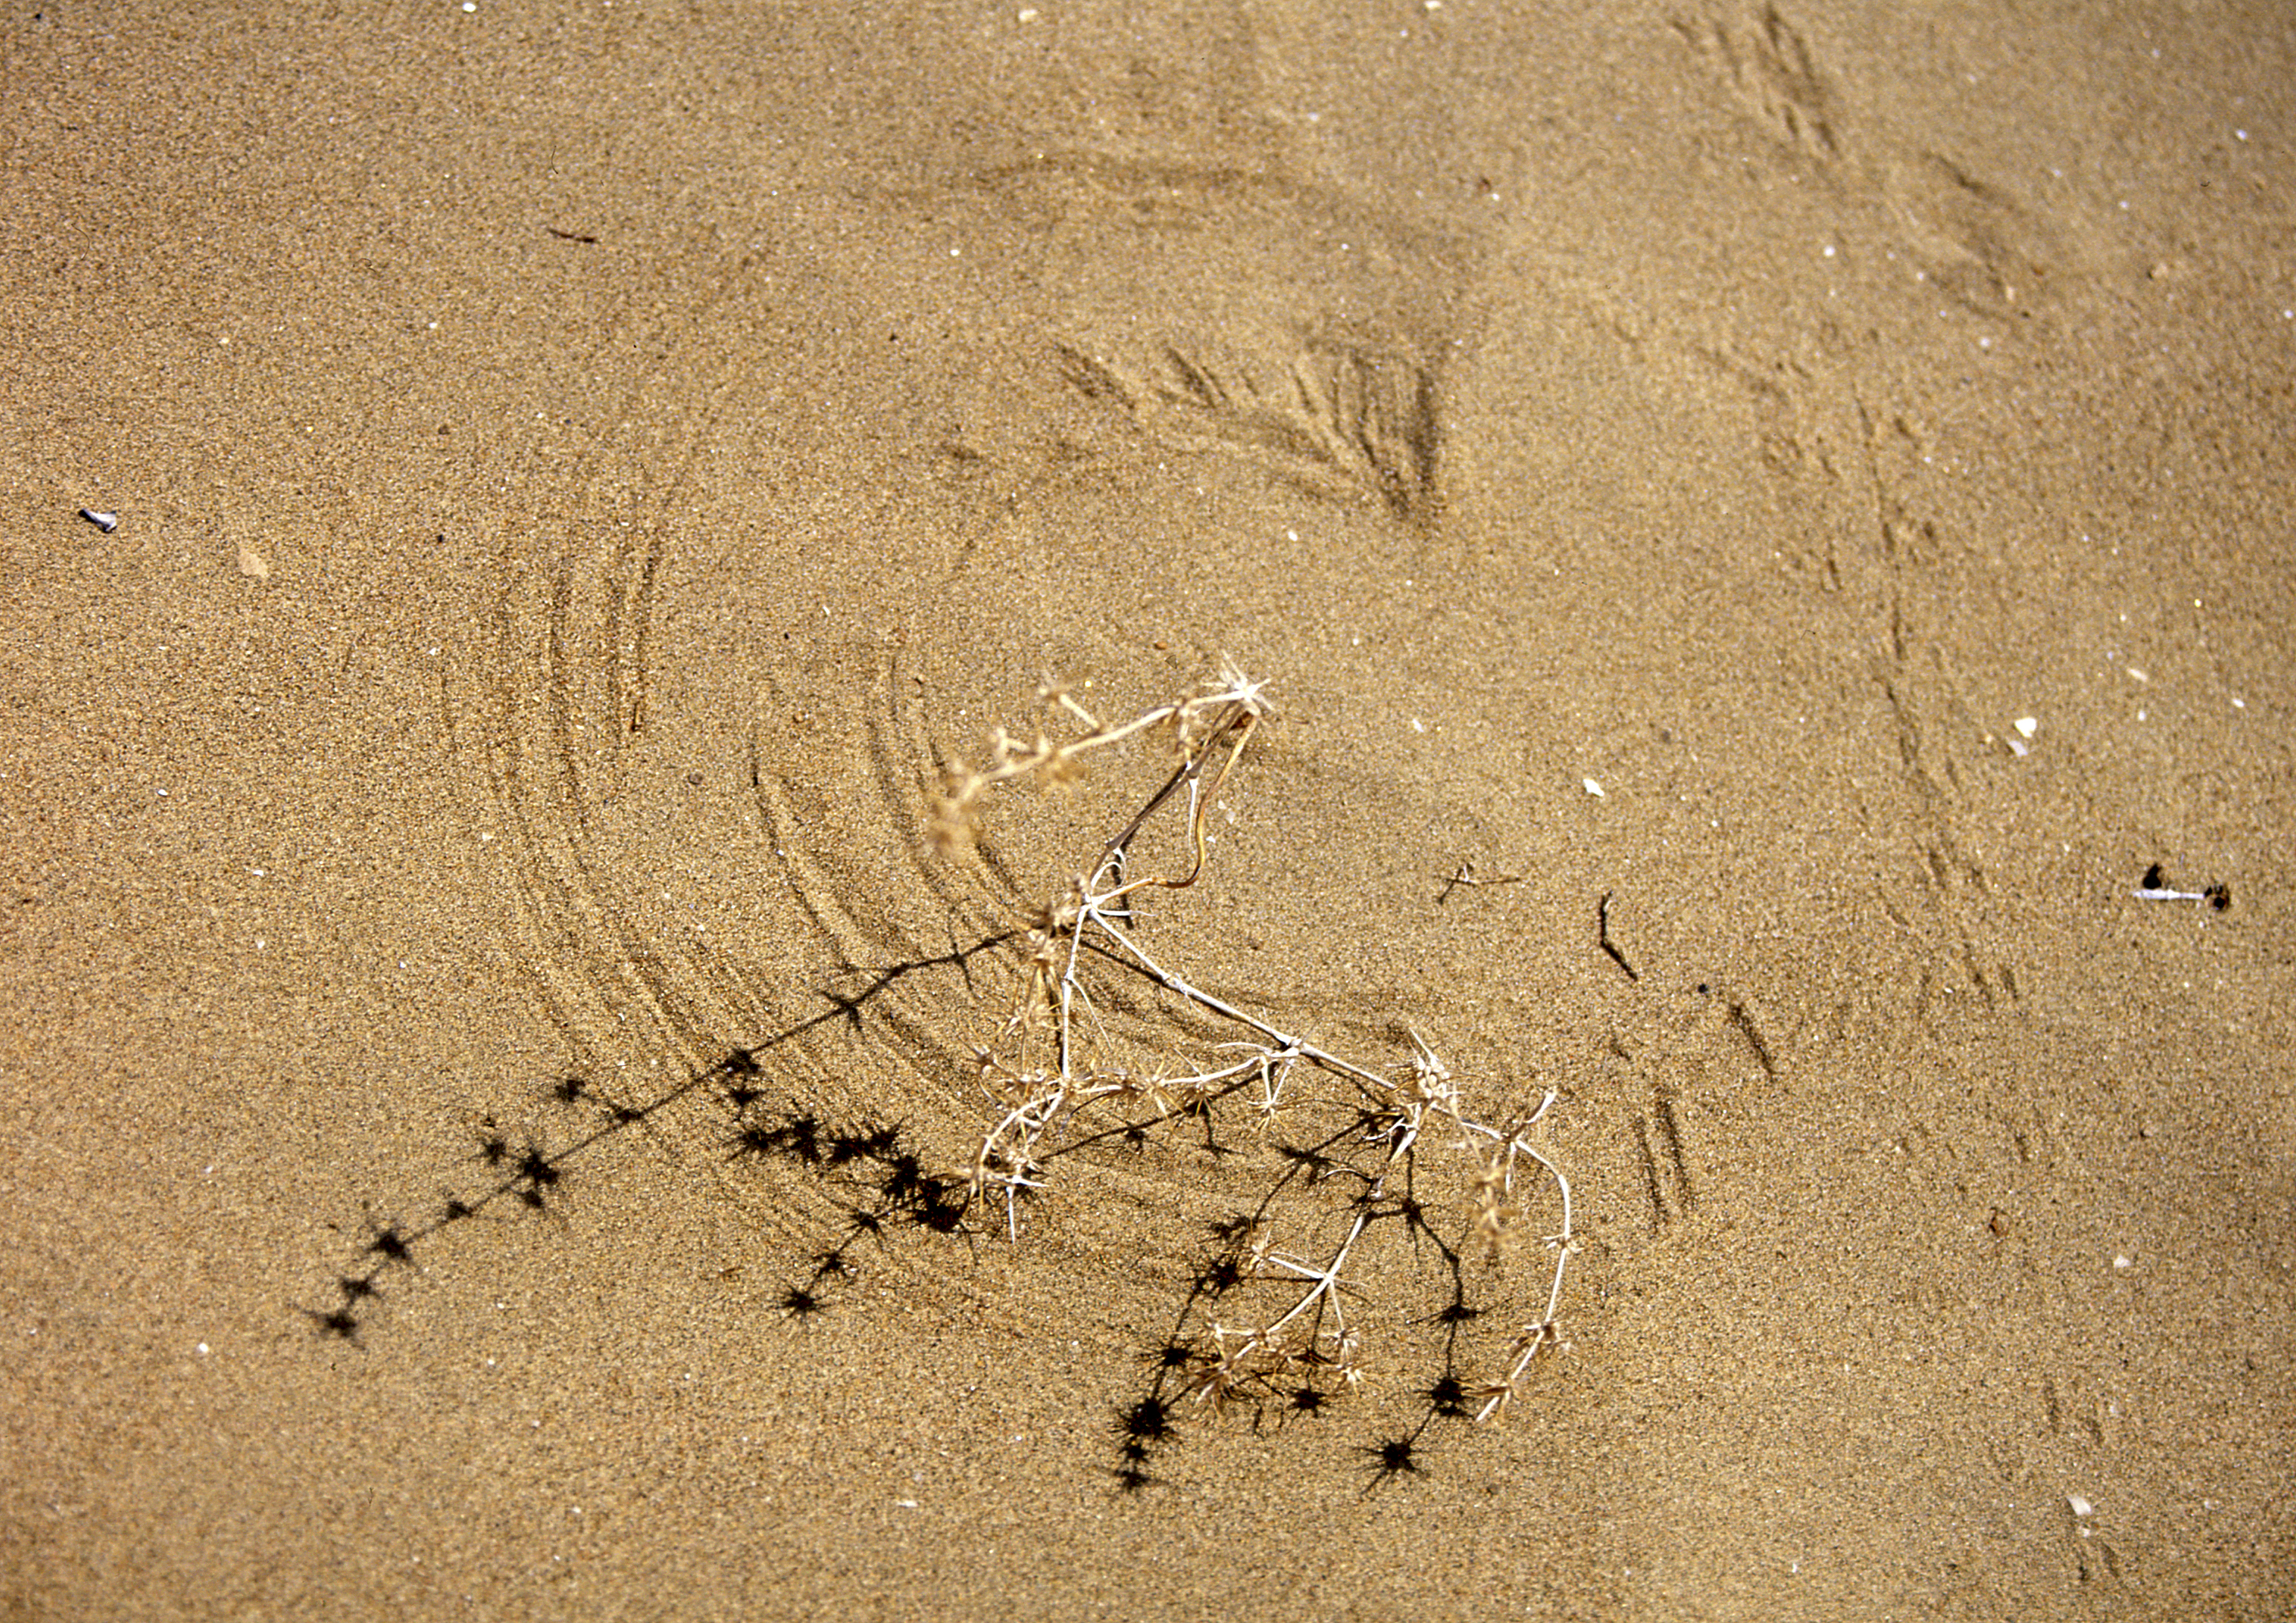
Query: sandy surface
point(1800, 495)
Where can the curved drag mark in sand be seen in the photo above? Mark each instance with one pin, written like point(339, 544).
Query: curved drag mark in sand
point(585, 695)
point(566, 696)
point(639, 746)
point(590, 777)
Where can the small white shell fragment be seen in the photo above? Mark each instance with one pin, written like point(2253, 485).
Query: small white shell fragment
point(1593, 787)
point(2081, 1507)
point(2123, 1261)
point(105, 521)
point(2028, 726)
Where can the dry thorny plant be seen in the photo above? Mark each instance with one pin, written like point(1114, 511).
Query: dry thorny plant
point(1268, 1319)
point(1272, 1317)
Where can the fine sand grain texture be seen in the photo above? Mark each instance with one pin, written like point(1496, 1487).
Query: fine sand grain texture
point(1766, 531)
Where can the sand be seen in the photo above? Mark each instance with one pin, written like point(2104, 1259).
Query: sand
point(1793, 499)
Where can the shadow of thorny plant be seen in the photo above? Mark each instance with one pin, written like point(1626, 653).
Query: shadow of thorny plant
point(1363, 1209)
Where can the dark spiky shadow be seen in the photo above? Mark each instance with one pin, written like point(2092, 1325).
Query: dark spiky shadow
point(528, 1176)
point(1324, 1208)
point(1390, 1458)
